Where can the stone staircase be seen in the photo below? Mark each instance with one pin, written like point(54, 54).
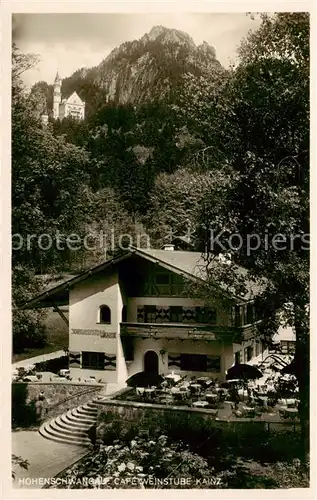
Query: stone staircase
point(72, 427)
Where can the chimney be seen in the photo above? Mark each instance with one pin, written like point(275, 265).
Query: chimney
point(169, 247)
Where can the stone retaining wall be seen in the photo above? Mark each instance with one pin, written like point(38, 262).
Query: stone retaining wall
point(60, 397)
point(134, 411)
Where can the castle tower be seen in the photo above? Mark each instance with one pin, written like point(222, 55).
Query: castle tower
point(57, 96)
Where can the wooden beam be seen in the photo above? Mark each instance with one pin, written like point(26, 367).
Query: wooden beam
point(62, 315)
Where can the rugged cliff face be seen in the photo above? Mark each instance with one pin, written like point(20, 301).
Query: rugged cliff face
point(149, 68)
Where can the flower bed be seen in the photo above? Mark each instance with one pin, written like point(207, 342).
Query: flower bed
point(181, 452)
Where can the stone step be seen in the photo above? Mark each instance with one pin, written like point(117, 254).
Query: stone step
point(75, 419)
point(74, 423)
point(91, 406)
point(72, 426)
point(78, 420)
point(47, 432)
point(67, 427)
point(56, 428)
point(87, 411)
point(82, 417)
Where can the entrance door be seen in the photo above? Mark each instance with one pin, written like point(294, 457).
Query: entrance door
point(151, 362)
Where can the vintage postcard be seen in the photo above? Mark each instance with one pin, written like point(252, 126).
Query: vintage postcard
point(159, 248)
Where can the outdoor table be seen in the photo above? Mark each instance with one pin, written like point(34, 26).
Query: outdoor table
point(287, 401)
point(291, 412)
point(149, 390)
point(173, 376)
point(184, 384)
point(179, 390)
point(200, 404)
point(206, 381)
point(211, 396)
point(195, 387)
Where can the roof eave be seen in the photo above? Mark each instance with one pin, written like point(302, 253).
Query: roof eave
point(73, 281)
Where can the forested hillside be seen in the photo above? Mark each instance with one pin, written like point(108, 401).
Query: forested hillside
point(172, 144)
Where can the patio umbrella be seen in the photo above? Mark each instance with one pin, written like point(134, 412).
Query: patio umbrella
point(144, 379)
point(244, 371)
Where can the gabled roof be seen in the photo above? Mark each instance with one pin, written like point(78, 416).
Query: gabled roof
point(76, 96)
point(190, 265)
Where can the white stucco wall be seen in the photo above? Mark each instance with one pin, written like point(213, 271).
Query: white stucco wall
point(85, 299)
point(212, 348)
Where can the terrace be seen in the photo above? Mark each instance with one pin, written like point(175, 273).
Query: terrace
point(274, 401)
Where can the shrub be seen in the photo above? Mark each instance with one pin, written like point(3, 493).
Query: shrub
point(24, 412)
point(52, 365)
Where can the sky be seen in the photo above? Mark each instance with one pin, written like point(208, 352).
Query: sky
point(68, 42)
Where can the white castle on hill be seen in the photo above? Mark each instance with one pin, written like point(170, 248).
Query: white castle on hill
point(72, 106)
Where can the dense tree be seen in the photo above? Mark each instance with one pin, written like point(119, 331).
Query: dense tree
point(48, 176)
point(175, 203)
point(265, 116)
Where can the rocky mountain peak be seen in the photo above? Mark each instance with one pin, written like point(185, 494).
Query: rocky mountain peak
point(168, 35)
point(149, 68)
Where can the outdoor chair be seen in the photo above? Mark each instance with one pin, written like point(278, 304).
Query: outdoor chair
point(249, 412)
point(283, 413)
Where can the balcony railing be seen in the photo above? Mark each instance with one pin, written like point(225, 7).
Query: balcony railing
point(179, 331)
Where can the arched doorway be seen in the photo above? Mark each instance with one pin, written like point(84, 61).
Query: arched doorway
point(151, 362)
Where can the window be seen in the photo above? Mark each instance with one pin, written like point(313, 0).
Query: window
point(210, 315)
point(200, 315)
point(124, 314)
point(162, 284)
point(249, 318)
point(194, 362)
point(291, 346)
point(149, 314)
point(288, 346)
point(237, 358)
point(206, 315)
point(104, 315)
point(249, 353)
point(176, 314)
point(93, 360)
point(242, 356)
point(257, 347)
point(237, 316)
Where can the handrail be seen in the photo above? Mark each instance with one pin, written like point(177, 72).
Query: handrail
point(87, 391)
point(275, 358)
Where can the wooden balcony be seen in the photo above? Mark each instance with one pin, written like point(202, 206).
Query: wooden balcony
point(180, 331)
